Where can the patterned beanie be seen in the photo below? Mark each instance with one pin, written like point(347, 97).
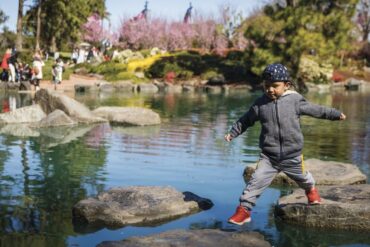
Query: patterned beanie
point(276, 72)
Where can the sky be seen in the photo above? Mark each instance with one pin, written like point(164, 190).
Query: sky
point(170, 9)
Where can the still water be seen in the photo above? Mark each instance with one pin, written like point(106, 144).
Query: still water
point(44, 175)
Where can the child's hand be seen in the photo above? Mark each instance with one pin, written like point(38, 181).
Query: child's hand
point(228, 137)
point(342, 117)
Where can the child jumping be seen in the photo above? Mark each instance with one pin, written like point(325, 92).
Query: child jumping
point(281, 139)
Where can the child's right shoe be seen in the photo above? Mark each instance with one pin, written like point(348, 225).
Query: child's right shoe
point(240, 216)
point(313, 196)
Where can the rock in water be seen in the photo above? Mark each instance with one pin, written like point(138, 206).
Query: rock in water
point(342, 207)
point(143, 205)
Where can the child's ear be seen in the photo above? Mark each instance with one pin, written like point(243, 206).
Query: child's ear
point(287, 85)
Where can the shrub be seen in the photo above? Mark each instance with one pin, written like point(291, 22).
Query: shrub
point(209, 74)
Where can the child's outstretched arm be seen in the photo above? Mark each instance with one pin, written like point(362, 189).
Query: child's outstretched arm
point(318, 111)
point(241, 125)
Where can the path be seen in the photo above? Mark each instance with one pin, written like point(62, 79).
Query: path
point(68, 85)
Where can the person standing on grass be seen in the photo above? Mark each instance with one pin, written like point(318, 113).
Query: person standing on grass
point(37, 65)
point(281, 140)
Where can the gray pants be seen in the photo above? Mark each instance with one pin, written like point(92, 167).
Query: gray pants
point(266, 170)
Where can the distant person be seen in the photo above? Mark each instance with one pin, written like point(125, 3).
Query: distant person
point(281, 139)
point(5, 64)
point(81, 56)
point(37, 65)
point(12, 61)
point(57, 71)
point(74, 55)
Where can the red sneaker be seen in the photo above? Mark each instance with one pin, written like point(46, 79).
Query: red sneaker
point(240, 216)
point(313, 196)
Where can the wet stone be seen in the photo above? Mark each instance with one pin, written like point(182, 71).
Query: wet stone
point(324, 172)
point(342, 207)
point(140, 205)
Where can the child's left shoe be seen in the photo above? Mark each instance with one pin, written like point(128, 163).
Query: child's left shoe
point(313, 196)
point(240, 216)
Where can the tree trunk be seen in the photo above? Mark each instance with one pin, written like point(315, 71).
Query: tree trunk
point(53, 44)
point(19, 40)
point(38, 28)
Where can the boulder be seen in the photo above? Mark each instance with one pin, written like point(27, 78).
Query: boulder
point(128, 115)
point(204, 238)
point(324, 172)
point(144, 205)
point(342, 207)
point(84, 88)
point(27, 114)
point(147, 88)
point(108, 87)
point(56, 118)
point(124, 86)
point(213, 89)
point(52, 100)
point(170, 88)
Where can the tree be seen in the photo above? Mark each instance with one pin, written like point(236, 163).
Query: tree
point(363, 18)
point(62, 20)
point(19, 40)
point(285, 32)
point(3, 17)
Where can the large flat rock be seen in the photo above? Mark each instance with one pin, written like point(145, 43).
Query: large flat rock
point(128, 115)
point(342, 207)
point(27, 114)
point(144, 205)
point(193, 238)
point(324, 172)
point(51, 100)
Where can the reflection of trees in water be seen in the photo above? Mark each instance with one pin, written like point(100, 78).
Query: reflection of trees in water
point(40, 196)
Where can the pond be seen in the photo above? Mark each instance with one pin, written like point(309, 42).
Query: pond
point(43, 176)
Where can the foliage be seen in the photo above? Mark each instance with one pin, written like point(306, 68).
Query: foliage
point(147, 33)
point(64, 20)
point(94, 31)
point(313, 71)
point(3, 17)
point(7, 38)
point(142, 64)
point(185, 64)
point(363, 18)
point(285, 33)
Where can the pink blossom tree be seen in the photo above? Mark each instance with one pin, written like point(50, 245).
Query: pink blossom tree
point(93, 31)
point(202, 33)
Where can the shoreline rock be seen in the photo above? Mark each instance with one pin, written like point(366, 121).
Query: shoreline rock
point(324, 172)
point(128, 115)
point(139, 205)
point(342, 207)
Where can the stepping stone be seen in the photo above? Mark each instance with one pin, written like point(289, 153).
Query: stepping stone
point(324, 172)
point(204, 238)
point(342, 207)
point(144, 205)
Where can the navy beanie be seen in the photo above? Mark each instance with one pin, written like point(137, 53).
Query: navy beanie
point(276, 72)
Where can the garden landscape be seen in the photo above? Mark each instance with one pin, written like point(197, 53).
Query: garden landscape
point(112, 134)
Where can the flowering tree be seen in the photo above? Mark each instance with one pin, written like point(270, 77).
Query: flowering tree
point(93, 30)
point(147, 33)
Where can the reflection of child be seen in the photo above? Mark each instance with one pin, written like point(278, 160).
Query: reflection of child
point(281, 139)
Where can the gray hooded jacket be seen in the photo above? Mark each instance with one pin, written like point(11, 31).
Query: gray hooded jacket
point(281, 136)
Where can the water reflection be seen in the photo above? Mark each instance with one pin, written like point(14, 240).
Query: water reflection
point(44, 175)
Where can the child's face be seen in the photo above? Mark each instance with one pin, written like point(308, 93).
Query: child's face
point(274, 90)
